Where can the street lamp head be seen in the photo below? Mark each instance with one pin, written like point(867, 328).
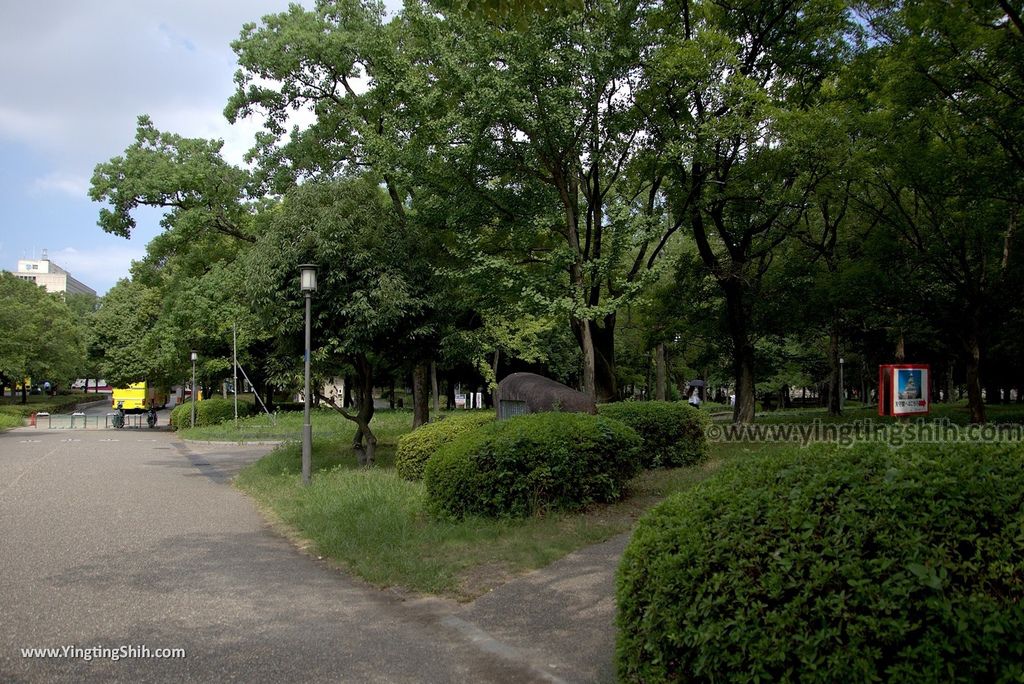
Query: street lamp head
point(840, 360)
point(195, 355)
point(307, 282)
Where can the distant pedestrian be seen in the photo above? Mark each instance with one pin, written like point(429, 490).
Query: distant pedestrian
point(695, 398)
point(732, 399)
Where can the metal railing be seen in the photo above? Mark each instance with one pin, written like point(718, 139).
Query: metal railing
point(80, 421)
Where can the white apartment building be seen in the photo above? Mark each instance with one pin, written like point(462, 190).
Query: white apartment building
point(45, 273)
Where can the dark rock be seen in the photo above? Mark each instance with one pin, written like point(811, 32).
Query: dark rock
point(521, 393)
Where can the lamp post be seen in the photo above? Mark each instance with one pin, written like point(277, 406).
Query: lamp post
point(307, 284)
point(194, 357)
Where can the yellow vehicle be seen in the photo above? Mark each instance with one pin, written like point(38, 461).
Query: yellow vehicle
point(138, 397)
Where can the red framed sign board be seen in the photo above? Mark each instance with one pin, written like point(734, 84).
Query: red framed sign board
point(903, 389)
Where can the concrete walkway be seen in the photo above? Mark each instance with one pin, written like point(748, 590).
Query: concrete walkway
point(124, 540)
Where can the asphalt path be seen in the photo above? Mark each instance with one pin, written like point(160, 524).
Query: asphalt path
point(131, 539)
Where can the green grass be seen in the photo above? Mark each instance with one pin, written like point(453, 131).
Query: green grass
point(955, 413)
point(8, 421)
point(374, 524)
point(12, 406)
point(386, 424)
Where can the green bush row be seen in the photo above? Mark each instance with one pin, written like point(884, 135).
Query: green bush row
point(533, 463)
point(416, 447)
point(57, 404)
point(673, 432)
point(208, 412)
point(833, 565)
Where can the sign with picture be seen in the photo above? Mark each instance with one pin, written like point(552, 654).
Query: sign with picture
point(905, 389)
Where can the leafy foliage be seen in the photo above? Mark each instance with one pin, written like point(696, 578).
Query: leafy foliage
point(829, 565)
point(672, 432)
point(416, 447)
point(208, 412)
point(530, 464)
point(41, 339)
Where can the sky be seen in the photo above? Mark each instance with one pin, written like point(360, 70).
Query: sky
point(76, 75)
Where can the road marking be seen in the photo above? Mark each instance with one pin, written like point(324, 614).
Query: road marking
point(110, 440)
point(71, 440)
point(30, 441)
point(30, 466)
point(488, 644)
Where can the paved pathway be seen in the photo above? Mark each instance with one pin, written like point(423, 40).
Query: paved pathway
point(132, 538)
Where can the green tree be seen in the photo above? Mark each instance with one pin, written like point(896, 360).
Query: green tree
point(950, 95)
point(370, 300)
point(126, 335)
point(738, 90)
point(41, 340)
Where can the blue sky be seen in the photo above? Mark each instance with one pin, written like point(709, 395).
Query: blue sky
point(75, 77)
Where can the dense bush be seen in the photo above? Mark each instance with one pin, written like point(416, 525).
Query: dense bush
point(208, 412)
point(37, 404)
point(526, 464)
point(673, 432)
point(416, 447)
point(830, 565)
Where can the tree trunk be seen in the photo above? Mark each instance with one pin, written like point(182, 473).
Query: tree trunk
point(975, 404)
point(391, 395)
point(24, 392)
point(449, 393)
point(433, 388)
point(346, 392)
point(589, 362)
point(661, 374)
point(743, 351)
point(420, 395)
point(834, 390)
point(950, 371)
point(364, 442)
point(605, 380)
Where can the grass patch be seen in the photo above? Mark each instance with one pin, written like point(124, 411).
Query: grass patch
point(956, 413)
point(387, 425)
point(8, 421)
point(375, 524)
point(62, 403)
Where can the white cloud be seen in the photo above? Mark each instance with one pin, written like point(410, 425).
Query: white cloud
point(101, 266)
point(71, 185)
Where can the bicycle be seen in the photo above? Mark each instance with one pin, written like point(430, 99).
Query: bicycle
point(151, 417)
point(118, 420)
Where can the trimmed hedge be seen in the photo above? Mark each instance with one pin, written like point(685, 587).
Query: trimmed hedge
point(208, 412)
point(533, 463)
point(673, 432)
point(416, 447)
point(825, 565)
point(57, 404)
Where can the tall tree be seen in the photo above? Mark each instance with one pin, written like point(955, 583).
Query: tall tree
point(736, 86)
point(370, 297)
point(950, 93)
point(41, 339)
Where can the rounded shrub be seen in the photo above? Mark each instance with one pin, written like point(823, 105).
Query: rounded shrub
point(833, 565)
point(532, 463)
point(673, 432)
point(414, 448)
point(208, 412)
